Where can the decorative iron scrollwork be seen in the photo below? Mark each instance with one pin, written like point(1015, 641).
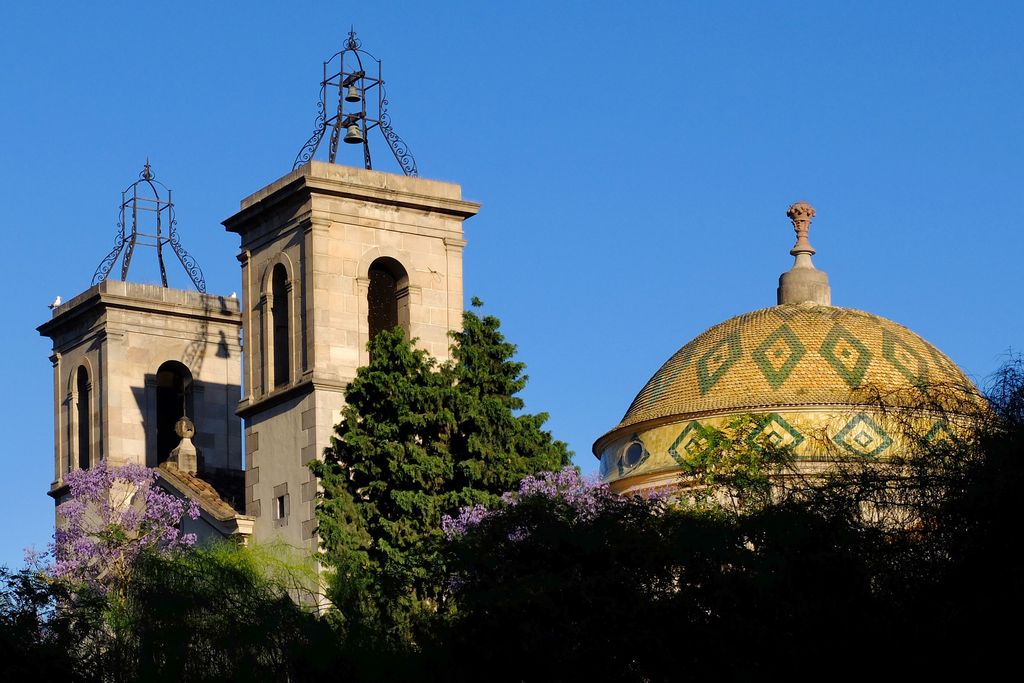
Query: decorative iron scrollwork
point(188, 262)
point(103, 270)
point(134, 205)
point(350, 80)
point(398, 146)
point(309, 149)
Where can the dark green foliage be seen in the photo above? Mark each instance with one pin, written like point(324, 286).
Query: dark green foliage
point(494, 447)
point(212, 614)
point(908, 569)
point(386, 481)
point(47, 631)
point(417, 441)
point(645, 590)
point(206, 614)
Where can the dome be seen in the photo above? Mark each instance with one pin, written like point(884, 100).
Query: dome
point(794, 355)
point(820, 379)
point(808, 368)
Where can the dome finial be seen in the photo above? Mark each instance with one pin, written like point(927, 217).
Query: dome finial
point(801, 213)
point(803, 282)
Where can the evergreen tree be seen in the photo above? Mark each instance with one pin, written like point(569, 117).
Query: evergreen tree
point(384, 481)
point(416, 441)
point(493, 447)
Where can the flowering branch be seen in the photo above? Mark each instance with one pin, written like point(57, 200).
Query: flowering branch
point(110, 516)
point(584, 497)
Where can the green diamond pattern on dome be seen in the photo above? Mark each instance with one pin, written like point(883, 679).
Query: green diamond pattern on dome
point(940, 433)
point(905, 359)
point(847, 355)
point(778, 354)
point(713, 365)
point(862, 436)
point(690, 444)
point(775, 432)
point(685, 357)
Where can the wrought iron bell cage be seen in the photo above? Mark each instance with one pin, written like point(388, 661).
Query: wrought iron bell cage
point(142, 208)
point(346, 76)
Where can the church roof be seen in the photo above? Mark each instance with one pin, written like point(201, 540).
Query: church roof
point(206, 496)
point(795, 355)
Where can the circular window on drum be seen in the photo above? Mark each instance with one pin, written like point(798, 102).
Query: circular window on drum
point(633, 454)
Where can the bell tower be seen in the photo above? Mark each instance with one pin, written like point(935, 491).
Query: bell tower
point(331, 254)
point(132, 360)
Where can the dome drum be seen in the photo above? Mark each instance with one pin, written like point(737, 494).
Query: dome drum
point(658, 454)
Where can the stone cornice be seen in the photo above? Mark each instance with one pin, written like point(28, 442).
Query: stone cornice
point(341, 181)
point(134, 297)
point(307, 385)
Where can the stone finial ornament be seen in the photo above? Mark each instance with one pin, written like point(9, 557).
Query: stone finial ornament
point(801, 213)
point(184, 428)
point(185, 455)
point(803, 283)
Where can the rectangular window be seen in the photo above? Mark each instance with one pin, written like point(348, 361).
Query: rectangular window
point(281, 504)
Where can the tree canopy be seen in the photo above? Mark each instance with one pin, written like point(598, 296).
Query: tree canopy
point(418, 439)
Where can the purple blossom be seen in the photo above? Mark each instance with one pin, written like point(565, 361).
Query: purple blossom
point(584, 496)
point(468, 517)
point(110, 516)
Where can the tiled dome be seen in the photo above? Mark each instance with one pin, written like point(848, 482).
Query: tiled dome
point(793, 355)
point(814, 378)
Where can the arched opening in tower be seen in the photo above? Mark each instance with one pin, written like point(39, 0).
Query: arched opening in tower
point(279, 316)
point(83, 417)
point(173, 400)
point(387, 296)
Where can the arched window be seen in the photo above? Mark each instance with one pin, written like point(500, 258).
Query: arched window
point(386, 297)
point(279, 321)
point(173, 399)
point(82, 418)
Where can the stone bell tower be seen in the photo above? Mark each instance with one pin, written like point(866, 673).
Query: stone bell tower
point(131, 361)
point(330, 255)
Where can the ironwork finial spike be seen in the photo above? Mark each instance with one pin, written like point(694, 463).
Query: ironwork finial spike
point(147, 172)
point(352, 43)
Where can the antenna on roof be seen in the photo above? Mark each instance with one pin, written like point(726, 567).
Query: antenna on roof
point(362, 106)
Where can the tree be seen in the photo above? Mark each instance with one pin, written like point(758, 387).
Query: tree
point(49, 629)
point(909, 566)
point(384, 481)
point(565, 581)
point(212, 613)
point(217, 613)
point(493, 446)
point(418, 440)
point(110, 516)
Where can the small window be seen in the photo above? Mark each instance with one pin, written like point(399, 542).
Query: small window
point(634, 454)
point(280, 507)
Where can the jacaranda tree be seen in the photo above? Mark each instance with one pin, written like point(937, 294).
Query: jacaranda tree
point(110, 516)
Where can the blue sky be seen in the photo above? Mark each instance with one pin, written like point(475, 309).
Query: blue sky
point(634, 166)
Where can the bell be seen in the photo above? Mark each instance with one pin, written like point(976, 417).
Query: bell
point(354, 136)
point(353, 94)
